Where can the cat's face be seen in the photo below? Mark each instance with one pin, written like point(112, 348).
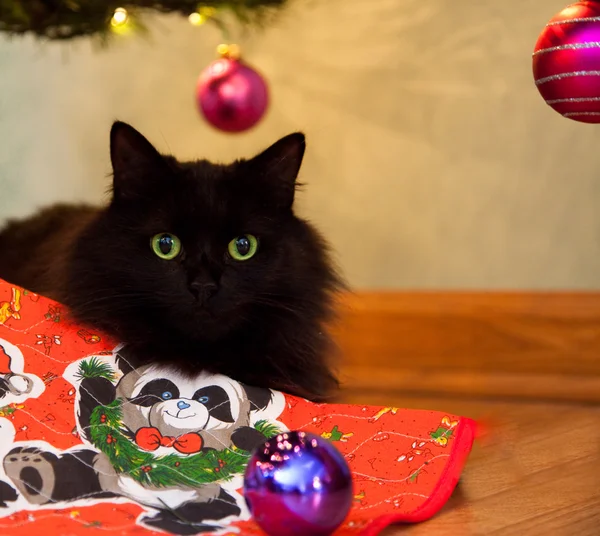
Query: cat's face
point(197, 249)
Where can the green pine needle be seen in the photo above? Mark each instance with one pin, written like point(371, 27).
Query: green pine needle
point(95, 368)
point(68, 19)
point(267, 429)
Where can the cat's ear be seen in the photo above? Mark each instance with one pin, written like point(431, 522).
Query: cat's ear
point(278, 167)
point(132, 157)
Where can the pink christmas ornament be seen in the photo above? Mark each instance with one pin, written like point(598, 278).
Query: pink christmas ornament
point(566, 62)
point(232, 96)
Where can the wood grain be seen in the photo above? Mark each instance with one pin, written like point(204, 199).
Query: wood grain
point(515, 345)
point(525, 365)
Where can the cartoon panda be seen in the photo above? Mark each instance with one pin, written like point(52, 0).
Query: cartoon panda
point(11, 382)
point(163, 412)
point(215, 408)
point(15, 385)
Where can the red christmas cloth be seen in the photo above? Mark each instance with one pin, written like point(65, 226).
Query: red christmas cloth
point(86, 442)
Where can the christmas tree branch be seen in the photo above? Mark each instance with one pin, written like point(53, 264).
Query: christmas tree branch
point(68, 19)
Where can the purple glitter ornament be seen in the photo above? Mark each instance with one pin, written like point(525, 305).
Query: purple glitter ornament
point(298, 484)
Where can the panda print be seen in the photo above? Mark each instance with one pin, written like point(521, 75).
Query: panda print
point(15, 385)
point(8, 494)
point(217, 410)
point(163, 413)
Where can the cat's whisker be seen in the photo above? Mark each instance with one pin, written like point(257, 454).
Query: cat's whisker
point(295, 310)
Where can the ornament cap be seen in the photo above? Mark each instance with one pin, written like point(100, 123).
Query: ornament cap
point(231, 52)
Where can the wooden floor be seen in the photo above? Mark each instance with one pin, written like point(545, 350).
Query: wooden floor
point(536, 468)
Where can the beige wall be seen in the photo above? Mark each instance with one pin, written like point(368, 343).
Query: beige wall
point(432, 162)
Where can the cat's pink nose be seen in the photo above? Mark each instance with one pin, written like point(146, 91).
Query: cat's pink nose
point(203, 290)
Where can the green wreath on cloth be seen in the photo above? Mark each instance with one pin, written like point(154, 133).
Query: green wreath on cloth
point(109, 435)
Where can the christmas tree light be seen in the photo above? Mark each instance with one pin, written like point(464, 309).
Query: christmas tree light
point(53, 20)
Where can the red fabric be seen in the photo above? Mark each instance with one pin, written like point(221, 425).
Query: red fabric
point(151, 438)
point(405, 462)
point(4, 362)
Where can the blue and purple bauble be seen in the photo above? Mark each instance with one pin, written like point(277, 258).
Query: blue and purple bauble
point(298, 484)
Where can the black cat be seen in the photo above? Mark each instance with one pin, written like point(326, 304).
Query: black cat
point(201, 265)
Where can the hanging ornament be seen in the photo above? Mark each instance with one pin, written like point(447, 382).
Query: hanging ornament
point(298, 483)
point(231, 95)
point(566, 62)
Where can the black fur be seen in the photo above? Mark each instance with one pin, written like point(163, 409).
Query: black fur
point(260, 321)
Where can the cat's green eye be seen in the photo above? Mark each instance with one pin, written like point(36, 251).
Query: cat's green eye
point(166, 246)
point(243, 247)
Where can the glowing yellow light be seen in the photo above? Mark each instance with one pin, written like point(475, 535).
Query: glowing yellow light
point(208, 11)
point(197, 19)
point(120, 17)
point(229, 51)
point(222, 49)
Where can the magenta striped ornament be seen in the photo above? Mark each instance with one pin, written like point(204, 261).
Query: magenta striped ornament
point(566, 62)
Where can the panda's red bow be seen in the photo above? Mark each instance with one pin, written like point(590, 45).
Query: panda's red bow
point(149, 438)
